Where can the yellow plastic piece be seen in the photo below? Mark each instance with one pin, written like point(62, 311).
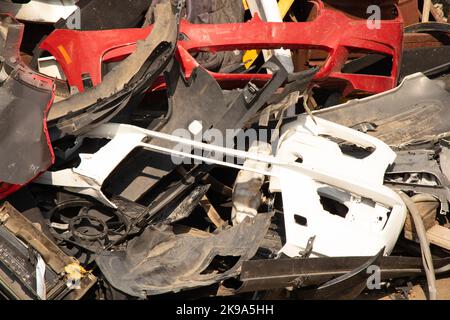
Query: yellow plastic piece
point(250, 56)
point(245, 5)
point(285, 6)
point(65, 55)
point(74, 271)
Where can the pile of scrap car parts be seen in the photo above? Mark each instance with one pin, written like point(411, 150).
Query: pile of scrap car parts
point(146, 156)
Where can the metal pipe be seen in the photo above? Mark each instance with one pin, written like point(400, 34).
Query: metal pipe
point(424, 245)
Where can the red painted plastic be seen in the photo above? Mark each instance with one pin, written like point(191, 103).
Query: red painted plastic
point(331, 31)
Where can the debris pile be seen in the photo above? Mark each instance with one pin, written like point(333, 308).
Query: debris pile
point(212, 148)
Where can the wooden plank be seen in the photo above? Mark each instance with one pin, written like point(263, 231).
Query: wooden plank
point(420, 40)
point(439, 236)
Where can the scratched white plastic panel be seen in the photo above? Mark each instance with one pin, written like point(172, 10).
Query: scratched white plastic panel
point(49, 11)
point(366, 228)
point(94, 169)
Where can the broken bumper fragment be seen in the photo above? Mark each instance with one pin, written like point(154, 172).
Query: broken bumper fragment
point(25, 99)
point(81, 53)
